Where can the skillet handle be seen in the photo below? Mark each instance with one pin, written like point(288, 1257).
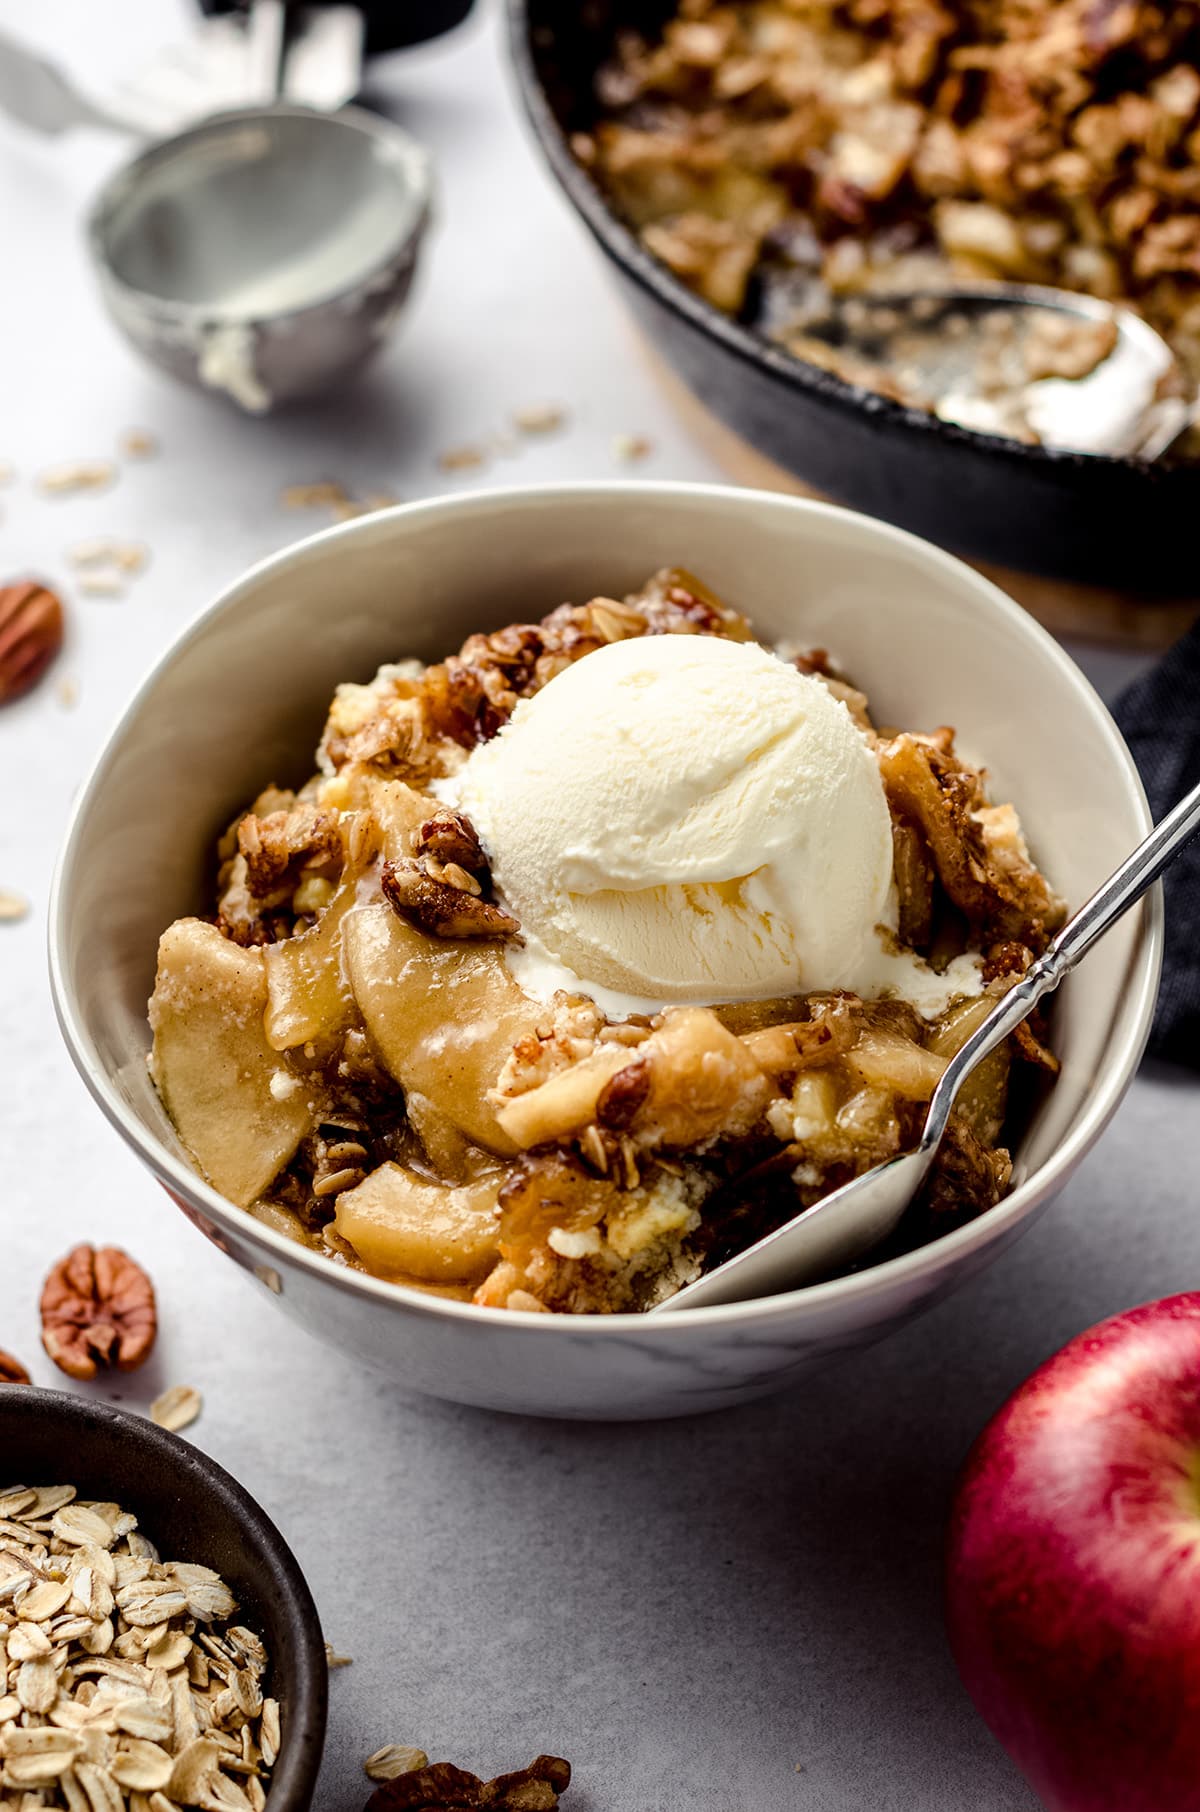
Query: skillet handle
point(391, 24)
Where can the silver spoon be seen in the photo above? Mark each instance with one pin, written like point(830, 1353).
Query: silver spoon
point(995, 357)
point(842, 1226)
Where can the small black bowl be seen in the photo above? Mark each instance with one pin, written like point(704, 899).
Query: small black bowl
point(191, 1509)
point(1118, 523)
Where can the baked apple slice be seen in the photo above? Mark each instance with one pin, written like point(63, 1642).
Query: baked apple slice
point(308, 998)
point(401, 1224)
point(218, 1077)
point(444, 1016)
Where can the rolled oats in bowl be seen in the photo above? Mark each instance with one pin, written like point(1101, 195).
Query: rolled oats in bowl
point(127, 1680)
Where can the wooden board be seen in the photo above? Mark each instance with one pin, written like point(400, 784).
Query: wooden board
point(1088, 612)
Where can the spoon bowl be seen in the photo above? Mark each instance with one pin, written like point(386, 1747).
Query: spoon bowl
point(265, 253)
point(1033, 363)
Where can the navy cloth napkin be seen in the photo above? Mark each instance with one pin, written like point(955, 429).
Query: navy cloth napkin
point(1159, 716)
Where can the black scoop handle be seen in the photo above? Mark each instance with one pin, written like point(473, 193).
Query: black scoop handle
point(391, 24)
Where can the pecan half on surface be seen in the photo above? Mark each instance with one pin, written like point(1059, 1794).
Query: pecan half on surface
point(31, 634)
point(11, 1370)
point(444, 1788)
point(439, 908)
point(98, 1310)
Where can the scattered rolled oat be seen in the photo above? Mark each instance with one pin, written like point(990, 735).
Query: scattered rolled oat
point(177, 1407)
point(333, 1659)
point(89, 553)
point(539, 418)
point(68, 693)
point(381, 500)
point(138, 443)
point(326, 493)
point(124, 1682)
point(79, 475)
point(127, 556)
point(460, 459)
point(102, 585)
point(13, 906)
point(11, 1370)
point(392, 1760)
point(7, 471)
point(630, 447)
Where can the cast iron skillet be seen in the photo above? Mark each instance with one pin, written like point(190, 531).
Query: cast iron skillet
point(192, 1510)
point(391, 24)
point(1113, 522)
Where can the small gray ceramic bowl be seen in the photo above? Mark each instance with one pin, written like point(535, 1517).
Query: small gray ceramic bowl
point(191, 1509)
point(265, 253)
point(240, 699)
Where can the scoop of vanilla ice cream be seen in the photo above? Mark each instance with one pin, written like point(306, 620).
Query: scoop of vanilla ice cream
point(682, 818)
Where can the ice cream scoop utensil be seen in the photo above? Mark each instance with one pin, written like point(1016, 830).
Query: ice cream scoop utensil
point(267, 251)
point(842, 1226)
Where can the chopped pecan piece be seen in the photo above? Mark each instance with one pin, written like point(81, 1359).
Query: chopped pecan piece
point(450, 837)
point(1006, 959)
point(278, 846)
point(532, 1789)
point(11, 1370)
point(442, 1787)
point(440, 909)
point(623, 1094)
point(98, 1310)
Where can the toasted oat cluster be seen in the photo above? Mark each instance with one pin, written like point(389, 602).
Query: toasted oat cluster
point(874, 144)
point(344, 1050)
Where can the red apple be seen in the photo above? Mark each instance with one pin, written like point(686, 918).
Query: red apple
point(1073, 1570)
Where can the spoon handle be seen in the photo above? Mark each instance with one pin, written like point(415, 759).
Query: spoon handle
point(1110, 901)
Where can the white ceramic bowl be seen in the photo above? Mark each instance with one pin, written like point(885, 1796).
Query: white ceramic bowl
point(239, 701)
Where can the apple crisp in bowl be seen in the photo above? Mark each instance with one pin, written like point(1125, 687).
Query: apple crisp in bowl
point(591, 953)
